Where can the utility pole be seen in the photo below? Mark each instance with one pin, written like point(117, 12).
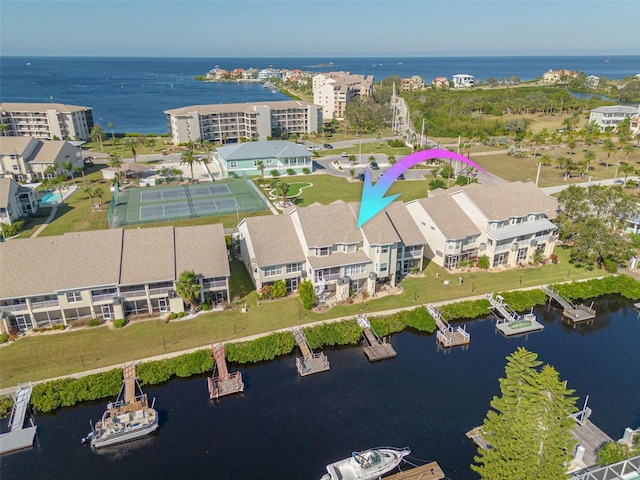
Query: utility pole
point(538, 174)
point(422, 136)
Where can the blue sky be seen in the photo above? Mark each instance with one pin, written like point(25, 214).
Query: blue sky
point(318, 28)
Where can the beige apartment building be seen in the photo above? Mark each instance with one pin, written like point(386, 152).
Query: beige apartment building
point(107, 274)
point(235, 122)
point(47, 120)
point(334, 90)
point(26, 159)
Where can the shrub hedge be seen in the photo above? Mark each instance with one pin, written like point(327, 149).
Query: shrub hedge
point(263, 348)
point(338, 333)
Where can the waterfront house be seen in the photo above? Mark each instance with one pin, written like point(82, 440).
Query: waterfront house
point(412, 84)
point(555, 76)
point(107, 274)
point(510, 223)
point(323, 244)
point(52, 121)
point(463, 80)
point(15, 201)
point(440, 82)
point(610, 117)
point(26, 159)
point(235, 122)
point(242, 159)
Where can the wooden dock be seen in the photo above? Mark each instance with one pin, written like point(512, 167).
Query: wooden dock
point(19, 437)
point(430, 471)
point(447, 335)
point(224, 383)
point(310, 362)
point(571, 312)
point(589, 437)
point(476, 436)
point(376, 349)
point(508, 321)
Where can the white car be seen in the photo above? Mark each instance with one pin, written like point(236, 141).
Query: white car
point(344, 154)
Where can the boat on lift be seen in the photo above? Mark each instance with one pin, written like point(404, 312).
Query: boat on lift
point(366, 465)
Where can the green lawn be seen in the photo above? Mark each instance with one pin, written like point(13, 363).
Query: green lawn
point(66, 352)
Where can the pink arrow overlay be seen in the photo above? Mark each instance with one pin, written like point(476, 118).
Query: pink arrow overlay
point(373, 200)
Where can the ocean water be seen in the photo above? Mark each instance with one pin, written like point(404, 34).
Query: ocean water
point(287, 427)
point(132, 93)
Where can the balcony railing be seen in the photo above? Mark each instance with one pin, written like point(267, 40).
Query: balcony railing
point(328, 277)
point(214, 284)
point(103, 296)
point(134, 294)
point(45, 304)
point(14, 308)
point(416, 254)
point(160, 290)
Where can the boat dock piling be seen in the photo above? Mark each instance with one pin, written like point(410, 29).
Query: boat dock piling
point(376, 349)
point(224, 383)
point(310, 362)
point(430, 471)
point(508, 321)
point(446, 334)
point(573, 313)
point(19, 436)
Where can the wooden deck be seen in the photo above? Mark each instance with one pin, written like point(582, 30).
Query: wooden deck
point(430, 471)
point(310, 362)
point(508, 321)
point(589, 436)
point(447, 335)
point(19, 436)
point(571, 312)
point(224, 383)
point(475, 435)
point(376, 349)
point(508, 329)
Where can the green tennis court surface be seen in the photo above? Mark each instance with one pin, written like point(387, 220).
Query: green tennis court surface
point(135, 206)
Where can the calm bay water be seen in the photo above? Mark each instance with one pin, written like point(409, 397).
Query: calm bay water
point(287, 427)
point(132, 93)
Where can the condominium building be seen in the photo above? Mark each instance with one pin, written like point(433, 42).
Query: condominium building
point(323, 244)
point(230, 123)
point(555, 76)
point(334, 90)
point(107, 274)
point(27, 159)
point(507, 222)
point(412, 84)
point(15, 201)
point(52, 121)
point(610, 117)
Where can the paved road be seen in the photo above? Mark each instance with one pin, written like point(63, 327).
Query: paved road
point(610, 181)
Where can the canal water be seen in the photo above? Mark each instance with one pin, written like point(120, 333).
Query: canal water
point(287, 427)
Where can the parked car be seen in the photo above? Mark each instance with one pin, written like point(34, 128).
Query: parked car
point(401, 176)
point(328, 146)
point(360, 177)
point(344, 155)
point(374, 166)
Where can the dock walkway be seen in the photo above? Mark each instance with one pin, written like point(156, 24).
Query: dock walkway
point(446, 334)
point(310, 362)
point(574, 313)
point(430, 471)
point(376, 349)
point(590, 439)
point(508, 321)
point(19, 436)
point(224, 383)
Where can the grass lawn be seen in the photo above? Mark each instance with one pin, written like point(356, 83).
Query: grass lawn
point(64, 353)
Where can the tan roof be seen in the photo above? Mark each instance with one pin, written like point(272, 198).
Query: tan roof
point(510, 199)
point(50, 150)
point(327, 225)
point(6, 185)
point(235, 107)
point(274, 240)
point(338, 259)
point(40, 107)
point(148, 255)
point(404, 224)
point(449, 217)
point(87, 259)
point(379, 230)
point(25, 263)
point(209, 258)
point(14, 145)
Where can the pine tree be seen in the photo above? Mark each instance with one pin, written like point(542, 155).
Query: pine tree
point(528, 428)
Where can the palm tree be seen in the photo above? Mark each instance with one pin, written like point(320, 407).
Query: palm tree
point(392, 159)
point(3, 129)
point(188, 287)
point(568, 165)
point(188, 158)
point(89, 192)
point(80, 171)
point(609, 147)
point(98, 192)
point(572, 144)
point(97, 134)
point(68, 166)
point(627, 148)
point(626, 169)
point(56, 182)
point(116, 162)
point(545, 159)
point(589, 156)
point(284, 188)
point(352, 173)
point(50, 172)
point(372, 158)
point(111, 126)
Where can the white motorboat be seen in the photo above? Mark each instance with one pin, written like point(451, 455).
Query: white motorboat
point(366, 465)
point(128, 418)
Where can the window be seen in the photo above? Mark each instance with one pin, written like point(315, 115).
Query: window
point(354, 269)
point(294, 267)
point(233, 165)
point(349, 248)
point(384, 249)
point(272, 271)
point(322, 252)
point(73, 297)
point(383, 267)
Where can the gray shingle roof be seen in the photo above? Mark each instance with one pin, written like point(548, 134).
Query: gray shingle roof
point(148, 255)
point(14, 145)
point(327, 225)
point(449, 217)
point(202, 249)
point(274, 240)
point(618, 109)
point(6, 185)
point(266, 149)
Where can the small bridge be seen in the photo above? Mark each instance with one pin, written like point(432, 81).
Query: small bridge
point(224, 383)
point(446, 334)
point(508, 321)
point(573, 313)
point(310, 362)
point(376, 349)
point(19, 436)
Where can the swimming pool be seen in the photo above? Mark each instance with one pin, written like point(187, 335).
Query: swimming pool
point(50, 198)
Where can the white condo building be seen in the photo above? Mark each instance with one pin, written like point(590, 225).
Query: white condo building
point(463, 81)
point(334, 90)
point(51, 121)
point(610, 117)
point(231, 123)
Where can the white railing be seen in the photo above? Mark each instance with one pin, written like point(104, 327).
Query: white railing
point(45, 304)
point(103, 296)
point(14, 308)
point(215, 284)
point(160, 290)
point(134, 294)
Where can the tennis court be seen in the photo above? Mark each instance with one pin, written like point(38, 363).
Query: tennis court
point(134, 206)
